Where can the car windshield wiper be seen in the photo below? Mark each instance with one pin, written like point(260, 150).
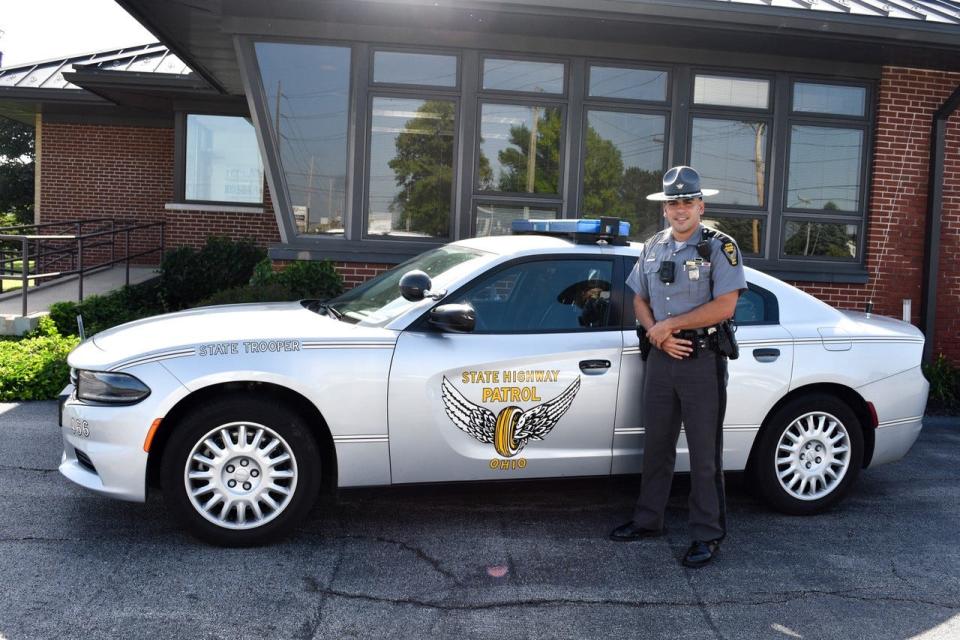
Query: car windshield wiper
point(325, 308)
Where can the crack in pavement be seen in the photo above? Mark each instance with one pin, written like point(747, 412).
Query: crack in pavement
point(7, 467)
point(634, 604)
point(417, 551)
point(310, 626)
point(38, 539)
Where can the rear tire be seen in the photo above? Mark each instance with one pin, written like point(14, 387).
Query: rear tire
point(240, 471)
point(809, 454)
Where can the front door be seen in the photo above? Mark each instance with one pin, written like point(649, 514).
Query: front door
point(531, 392)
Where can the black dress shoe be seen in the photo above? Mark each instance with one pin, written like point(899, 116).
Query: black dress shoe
point(630, 531)
point(701, 553)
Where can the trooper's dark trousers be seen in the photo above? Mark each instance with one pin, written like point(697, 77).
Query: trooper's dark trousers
point(692, 391)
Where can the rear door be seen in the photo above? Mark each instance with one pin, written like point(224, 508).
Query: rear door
point(530, 393)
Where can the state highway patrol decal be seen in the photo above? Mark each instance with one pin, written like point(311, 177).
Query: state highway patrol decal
point(512, 428)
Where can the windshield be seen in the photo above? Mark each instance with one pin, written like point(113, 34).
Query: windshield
point(378, 301)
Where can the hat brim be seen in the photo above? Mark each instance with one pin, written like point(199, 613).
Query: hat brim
point(703, 193)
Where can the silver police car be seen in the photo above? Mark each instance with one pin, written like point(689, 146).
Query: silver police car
point(486, 359)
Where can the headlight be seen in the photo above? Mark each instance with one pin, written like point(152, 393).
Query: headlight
point(113, 388)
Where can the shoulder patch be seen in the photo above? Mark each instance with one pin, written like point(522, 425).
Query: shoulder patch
point(730, 251)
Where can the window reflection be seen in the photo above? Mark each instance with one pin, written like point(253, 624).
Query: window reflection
point(223, 160)
point(411, 167)
point(397, 67)
point(628, 84)
point(824, 168)
point(496, 219)
point(307, 89)
point(748, 232)
point(520, 148)
point(522, 75)
point(731, 92)
point(829, 98)
point(623, 163)
point(824, 239)
point(731, 155)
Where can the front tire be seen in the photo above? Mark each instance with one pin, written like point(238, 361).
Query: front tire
point(241, 471)
point(809, 454)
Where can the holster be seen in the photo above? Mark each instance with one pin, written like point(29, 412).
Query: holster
point(727, 340)
point(645, 344)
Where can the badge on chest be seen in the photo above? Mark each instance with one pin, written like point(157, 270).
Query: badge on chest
point(695, 268)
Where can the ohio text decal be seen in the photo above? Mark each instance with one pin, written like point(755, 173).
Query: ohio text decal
point(511, 428)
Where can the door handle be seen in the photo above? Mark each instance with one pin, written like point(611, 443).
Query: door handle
point(766, 355)
point(594, 366)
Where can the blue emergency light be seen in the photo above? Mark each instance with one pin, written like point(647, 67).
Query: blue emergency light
point(582, 231)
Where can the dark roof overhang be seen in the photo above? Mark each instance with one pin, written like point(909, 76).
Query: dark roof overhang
point(201, 31)
point(156, 92)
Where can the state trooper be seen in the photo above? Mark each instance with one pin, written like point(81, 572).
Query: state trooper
point(687, 282)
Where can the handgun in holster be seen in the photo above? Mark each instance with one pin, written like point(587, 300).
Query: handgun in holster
point(727, 340)
point(645, 344)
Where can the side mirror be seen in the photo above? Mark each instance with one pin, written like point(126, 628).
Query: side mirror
point(458, 318)
point(414, 285)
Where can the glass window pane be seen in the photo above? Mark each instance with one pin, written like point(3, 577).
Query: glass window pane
point(829, 98)
point(824, 239)
point(522, 75)
point(824, 168)
point(628, 84)
point(495, 219)
point(748, 232)
point(411, 167)
point(750, 308)
point(622, 165)
point(414, 68)
point(308, 90)
point(731, 155)
point(223, 160)
point(555, 295)
point(731, 92)
point(520, 148)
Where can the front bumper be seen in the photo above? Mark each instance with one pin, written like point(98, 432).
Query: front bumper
point(103, 444)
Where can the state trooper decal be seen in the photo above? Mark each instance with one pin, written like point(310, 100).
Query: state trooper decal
point(512, 427)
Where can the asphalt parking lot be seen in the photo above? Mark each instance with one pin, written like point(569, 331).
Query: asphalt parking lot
point(490, 561)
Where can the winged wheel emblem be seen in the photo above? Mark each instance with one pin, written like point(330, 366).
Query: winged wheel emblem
point(512, 428)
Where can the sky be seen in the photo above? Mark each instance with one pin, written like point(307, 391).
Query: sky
point(37, 30)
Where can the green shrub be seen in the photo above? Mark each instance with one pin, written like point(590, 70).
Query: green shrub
point(188, 276)
point(35, 367)
point(102, 312)
point(303, 278)
point(944, 381)
point(250, 293)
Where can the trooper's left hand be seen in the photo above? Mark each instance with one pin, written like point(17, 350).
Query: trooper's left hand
point(660, 332)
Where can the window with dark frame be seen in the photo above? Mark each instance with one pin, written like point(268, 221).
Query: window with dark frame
point(221, 160)
point(789, 153)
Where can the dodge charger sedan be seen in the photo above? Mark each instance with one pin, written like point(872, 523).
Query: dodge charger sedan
point(486, 359)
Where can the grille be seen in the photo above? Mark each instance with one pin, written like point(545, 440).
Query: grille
point(85, 461)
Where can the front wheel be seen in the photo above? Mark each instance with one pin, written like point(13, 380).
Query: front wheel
point(809, 454)
point(240, 471)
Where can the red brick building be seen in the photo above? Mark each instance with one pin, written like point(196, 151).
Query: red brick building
point(366, 132)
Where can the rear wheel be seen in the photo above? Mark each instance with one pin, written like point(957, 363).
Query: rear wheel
point(240, 471)
point(809, 454)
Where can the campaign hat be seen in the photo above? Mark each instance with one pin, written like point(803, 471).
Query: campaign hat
point(680, 183)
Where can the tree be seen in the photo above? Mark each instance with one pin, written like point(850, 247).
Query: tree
point(423, 170)
point(516, 161)
point(16, 170)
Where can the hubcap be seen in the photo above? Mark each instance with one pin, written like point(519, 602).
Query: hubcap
point(813, 456)
point(240, 475)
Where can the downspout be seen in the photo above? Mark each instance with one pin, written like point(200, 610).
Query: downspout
point(938, 135)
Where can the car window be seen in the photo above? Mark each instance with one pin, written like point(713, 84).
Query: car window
point(543, 295)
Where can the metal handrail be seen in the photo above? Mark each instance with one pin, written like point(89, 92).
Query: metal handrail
point(41, 246)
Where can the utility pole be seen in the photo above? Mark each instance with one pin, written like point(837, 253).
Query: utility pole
point(532, 150)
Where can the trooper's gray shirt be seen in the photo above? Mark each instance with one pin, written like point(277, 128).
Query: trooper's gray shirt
point(693, 274)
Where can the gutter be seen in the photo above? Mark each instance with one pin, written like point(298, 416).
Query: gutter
point(931, 264)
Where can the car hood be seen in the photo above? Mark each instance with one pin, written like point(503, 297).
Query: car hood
point(196, 328)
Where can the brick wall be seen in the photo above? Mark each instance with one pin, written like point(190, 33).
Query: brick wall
point(896, 228)
point(126, 173)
